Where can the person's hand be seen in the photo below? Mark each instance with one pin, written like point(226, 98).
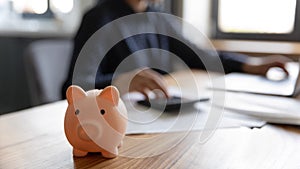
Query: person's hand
point(261, 66)
point(143, 81)
point(148, 80)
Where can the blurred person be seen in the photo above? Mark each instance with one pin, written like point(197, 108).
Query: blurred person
point(147, 79)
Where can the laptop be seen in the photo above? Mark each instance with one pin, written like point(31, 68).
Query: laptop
point(288, 87)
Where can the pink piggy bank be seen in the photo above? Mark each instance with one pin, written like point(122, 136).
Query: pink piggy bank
point(95, 121)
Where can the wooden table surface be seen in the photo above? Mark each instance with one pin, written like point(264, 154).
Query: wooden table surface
point(259, 48)
point(34, 138)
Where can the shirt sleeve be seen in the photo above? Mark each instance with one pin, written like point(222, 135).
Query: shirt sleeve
point(89, 25)
point(196, 58)
point(232, 62)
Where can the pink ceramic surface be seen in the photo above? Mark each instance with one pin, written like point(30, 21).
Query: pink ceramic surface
point(95, 121)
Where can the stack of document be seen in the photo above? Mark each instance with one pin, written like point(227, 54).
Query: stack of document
point(273, 109)
point(142, 120)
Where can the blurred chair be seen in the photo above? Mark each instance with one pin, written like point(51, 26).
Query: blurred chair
point(46, 65)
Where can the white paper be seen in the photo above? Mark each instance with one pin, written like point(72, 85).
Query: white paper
point(143, 120)
point(273, 109)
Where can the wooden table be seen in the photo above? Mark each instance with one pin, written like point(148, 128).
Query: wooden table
point(259, 48)
point(34, 138)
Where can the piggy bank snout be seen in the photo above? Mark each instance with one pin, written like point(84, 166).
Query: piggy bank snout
point(89, 131)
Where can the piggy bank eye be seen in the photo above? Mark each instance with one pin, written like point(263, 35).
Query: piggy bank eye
point(102, 111)
point(77, 112)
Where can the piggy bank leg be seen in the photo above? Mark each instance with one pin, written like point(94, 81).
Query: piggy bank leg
point(121, 144)
point(79, 153)
point(107, 154)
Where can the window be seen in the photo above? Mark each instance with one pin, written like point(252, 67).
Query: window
point(38, 8)
point(256, 19)
point(62, 6)
point(41, 18)
point(30, 6)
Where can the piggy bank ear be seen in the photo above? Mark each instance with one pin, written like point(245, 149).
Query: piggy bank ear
point(111, 94)
point(74, 93)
